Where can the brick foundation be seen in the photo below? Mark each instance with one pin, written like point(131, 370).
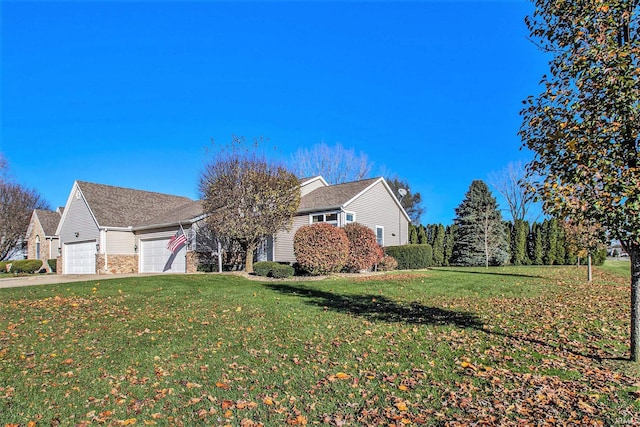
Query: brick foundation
point(117, 264)
point(192, 262)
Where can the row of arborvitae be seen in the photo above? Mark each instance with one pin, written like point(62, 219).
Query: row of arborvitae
point(323, 248)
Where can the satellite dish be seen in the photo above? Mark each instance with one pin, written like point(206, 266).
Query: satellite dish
point(402, 192)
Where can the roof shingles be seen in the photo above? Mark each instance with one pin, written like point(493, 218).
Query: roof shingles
point(125, 207)
point(333, 196)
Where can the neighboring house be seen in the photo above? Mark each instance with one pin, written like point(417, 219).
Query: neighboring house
point(370, 202)
point(42, 241)
point(107, 230)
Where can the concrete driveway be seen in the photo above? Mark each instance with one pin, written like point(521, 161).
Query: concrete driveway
point(52, 279)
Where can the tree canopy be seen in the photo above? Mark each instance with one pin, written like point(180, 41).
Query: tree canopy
point(17, 204)
point(411, 202)
point(247, 198)
point(583, 127)
point(336, 164)
point(481, 237)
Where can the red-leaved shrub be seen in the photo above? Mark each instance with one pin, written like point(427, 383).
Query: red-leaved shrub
point(321, 248)
point(364, 251)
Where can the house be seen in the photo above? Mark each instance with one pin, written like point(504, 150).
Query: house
point(41, 239)
point(370, 202)
point(105, 229)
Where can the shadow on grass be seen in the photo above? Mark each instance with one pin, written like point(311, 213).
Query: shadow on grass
point(488, 272)
point(380, 308)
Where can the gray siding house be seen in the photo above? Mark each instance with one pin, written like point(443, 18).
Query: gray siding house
point(106, 229)
point(370, 202)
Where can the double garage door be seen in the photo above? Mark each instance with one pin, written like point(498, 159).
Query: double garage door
point(80, 258)
point(156, 258)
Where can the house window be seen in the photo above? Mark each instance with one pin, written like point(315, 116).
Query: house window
point(37, 247)
point(331, 218)
point(349, 217)
point(380, 235)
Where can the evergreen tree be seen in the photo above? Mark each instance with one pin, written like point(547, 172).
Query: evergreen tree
point(561, 254)
point(422, 235)
point(450, 236)
point(438, 246)
point(413, 234)
point(536, 245)
point(519, 233)
point(550, 234)
point(482, 239)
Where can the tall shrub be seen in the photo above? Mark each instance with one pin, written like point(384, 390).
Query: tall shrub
point(321, 248)
point(411, 257)
point(364, 251)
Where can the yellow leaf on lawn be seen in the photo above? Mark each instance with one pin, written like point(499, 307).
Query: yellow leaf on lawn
point(267, 401)
point(401, 406)
point(403, 387)
point(342, 376)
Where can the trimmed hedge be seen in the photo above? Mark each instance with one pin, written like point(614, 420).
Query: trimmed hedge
point(411, 257)
point(29, 266)
point(282, 271)
point(53, 264)
point(3, 266)
point(321, 248)
point(273, 269)
point(364, 251)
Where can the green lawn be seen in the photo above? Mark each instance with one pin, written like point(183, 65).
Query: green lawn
point(439, 347)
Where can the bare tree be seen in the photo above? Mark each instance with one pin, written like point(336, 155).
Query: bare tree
point(16, 206)
point(335, 163)
point(247, 197)
point(515, 187)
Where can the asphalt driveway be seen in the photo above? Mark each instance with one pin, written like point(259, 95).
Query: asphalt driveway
point(52, 279)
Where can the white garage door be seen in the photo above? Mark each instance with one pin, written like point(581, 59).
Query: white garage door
point(80, 258)
point(155, 257)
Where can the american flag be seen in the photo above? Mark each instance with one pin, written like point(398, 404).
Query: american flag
point(177, 242)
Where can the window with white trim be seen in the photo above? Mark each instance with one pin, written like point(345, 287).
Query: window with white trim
point(349, 217)
point(330, 218)
point(380, 235)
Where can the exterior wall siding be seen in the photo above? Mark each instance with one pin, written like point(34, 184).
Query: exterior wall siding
point(78, 219)
point(376, 207)
point(119, 242)
point(310, 187)
point(283, 242)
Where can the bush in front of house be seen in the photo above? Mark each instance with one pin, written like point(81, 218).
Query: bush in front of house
point(3, 266)
point(28, 266)
point(387, 263)
point(263, 268)
point(364, 251)
point(273, 269)
point(321, 248)
point(282, 271)
point(411, 257)
point(53, 265)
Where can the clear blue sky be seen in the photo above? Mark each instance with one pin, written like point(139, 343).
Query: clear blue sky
point(131, 93)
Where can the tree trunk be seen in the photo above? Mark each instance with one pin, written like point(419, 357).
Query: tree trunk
point(248, 261)
point(633, 249)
